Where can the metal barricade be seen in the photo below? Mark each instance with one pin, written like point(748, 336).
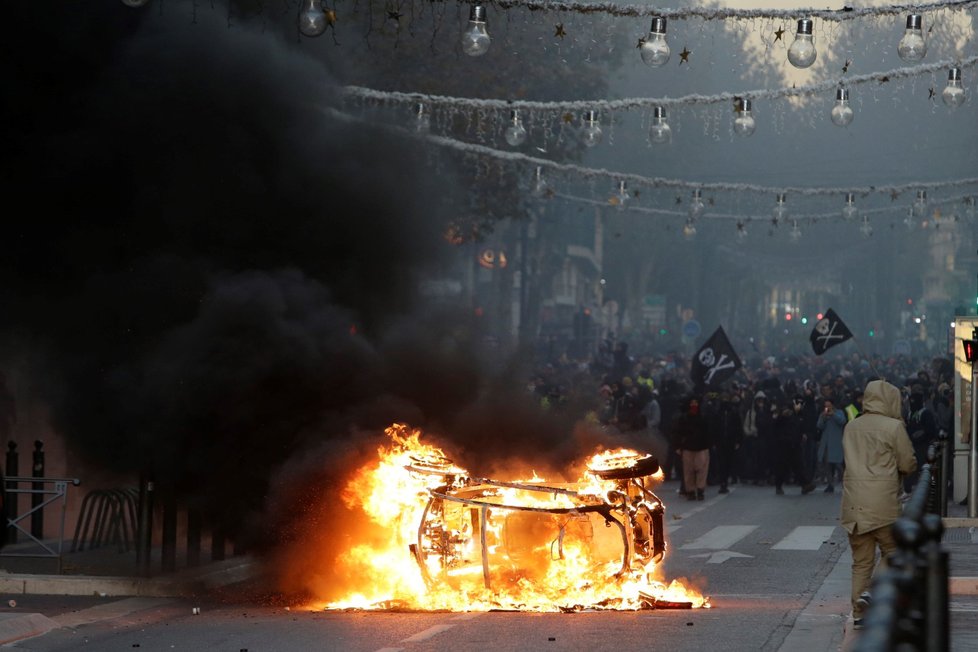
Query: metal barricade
point(43, 492)
point(107, 516)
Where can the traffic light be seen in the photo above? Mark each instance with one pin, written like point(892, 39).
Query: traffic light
point(804, 320)
point(970, 348)
point(872, 332)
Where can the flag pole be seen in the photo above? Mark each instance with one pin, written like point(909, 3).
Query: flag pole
point(868, 359)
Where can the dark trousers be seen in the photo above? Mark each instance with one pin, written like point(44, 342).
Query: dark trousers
point(789, 461)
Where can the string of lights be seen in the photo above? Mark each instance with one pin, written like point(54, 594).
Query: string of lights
point(723, 13)
point(626, 104)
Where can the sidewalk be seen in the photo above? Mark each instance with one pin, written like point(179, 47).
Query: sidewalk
point(104, 572)
point(961, 541)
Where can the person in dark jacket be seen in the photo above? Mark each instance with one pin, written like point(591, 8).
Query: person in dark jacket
point(693, 444)
point(728, 433)
point(790, 435)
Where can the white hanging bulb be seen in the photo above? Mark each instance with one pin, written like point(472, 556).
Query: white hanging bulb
point(696, 205)
point(539, 188)
point(655, 50)
point(971, 210)
point(912, 47)
point(312, 18)
point(780, 211)
point(475, 39)
point(515, 133)
point(135, 3)
point(841, 113)
point(689, 229)
point(866, 228)
point(909, 220)
point(920, 204)
point(795, 233)
point(802, 52)
point(592, 129)
point(743, 124)
point(953, 94)
point(849, 211)
point(422, 119)
point(660, 131)
point(620, 198)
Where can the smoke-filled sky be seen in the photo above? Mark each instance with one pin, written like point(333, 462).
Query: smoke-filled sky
point(218, 284)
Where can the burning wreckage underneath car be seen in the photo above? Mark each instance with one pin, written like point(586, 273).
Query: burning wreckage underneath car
point(484, 544)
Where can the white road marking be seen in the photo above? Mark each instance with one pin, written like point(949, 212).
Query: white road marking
point(114, 609)
point(468, 616)
point(805, 537)
point(720, 556)
point(720, 537)
point(424, 635)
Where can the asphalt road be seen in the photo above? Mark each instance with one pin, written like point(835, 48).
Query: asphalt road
point(775, 567)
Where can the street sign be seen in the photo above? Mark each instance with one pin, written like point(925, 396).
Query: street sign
point(692, 329)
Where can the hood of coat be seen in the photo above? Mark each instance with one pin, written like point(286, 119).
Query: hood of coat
point(883, 398)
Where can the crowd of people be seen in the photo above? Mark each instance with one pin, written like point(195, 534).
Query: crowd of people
point(778, 422)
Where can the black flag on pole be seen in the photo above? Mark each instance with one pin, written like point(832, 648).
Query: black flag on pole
point(829, 331)
point(716, 361)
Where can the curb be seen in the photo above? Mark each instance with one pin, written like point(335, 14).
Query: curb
point(107, 586)
point(14, 627)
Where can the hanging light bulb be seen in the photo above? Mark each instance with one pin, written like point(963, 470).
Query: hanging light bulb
point(312, 18)
point(802, 52)
point(741, 231)
point(655, 50)
point(953, 94)
point(135, 3)
point(849, 211)
point(912, 47)
point(620, 198)
point(743, 124)
point(971, 210)
point(909, 220)
point(689, 229)
point(780, 211)
point(592, 129)
point(866, 228)
point(422, 119)
point(660, 131)
point(475, 39)
point(920, 204)
point(696, 205)
point(795, 233)
point(539, 187)
point(841, 113)
point(515, 133)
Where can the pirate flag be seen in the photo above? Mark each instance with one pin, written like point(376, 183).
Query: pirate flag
point(829, 331)
point(715, 361)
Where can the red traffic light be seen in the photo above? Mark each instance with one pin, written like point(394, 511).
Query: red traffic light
point(970, 348)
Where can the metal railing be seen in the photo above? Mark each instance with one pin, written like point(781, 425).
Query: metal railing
point(43, 492)
point(107, 516)
point(909, 610)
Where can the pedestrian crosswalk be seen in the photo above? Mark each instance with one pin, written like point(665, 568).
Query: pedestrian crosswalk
point(724, 537)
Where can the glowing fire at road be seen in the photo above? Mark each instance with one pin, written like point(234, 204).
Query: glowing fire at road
point(456, 542)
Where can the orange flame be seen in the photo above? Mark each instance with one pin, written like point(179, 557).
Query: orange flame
point(456, 542)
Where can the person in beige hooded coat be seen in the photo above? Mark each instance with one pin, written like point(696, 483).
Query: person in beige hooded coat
point(877, 452)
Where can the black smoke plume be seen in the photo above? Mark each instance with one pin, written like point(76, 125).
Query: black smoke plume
point(219, 283)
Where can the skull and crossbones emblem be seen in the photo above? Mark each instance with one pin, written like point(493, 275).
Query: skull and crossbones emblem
point(707, 358)
point(823, 326)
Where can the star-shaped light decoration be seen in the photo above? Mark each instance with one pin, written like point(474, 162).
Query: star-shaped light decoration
point(559, 30)
point(394, 15)
point(931, 93)
point(679, 200)
point(330, 17)
point(778, 34)
point(884, 79)
point(711, 201)
point(774, 222)
point(845, 67)
point(568, 118)
point(684, 56)
point(894, 195)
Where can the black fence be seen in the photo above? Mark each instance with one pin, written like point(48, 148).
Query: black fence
point(910, 598)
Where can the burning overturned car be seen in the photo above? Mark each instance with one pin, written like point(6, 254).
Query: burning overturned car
point(461, 542)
